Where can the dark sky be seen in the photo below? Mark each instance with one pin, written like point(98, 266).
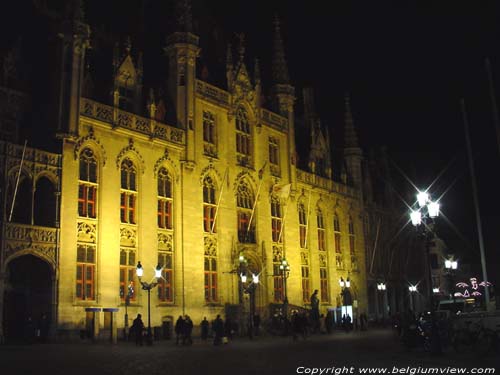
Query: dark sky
point(406, 65)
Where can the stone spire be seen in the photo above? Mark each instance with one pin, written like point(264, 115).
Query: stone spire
point(127, 45)
point(256, 71)
point(183, 16)
point(350, 137)
point(241, 47)
point(280, 69)
point(74, 10)
point(229, 66)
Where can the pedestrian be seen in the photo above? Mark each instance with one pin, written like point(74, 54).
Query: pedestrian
point(137, 329)
point(204, 329)
point(187, 327)
point(256, 324)
point(228, 327)
point(43, 328)
point(179, 330)
point(218, 327)
point(348, 322)
point(328, 322)
point(315, 311)
point(29, 331)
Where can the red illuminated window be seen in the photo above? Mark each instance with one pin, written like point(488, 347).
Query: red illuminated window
point(209, 205)
point(210, 278)
point(85, 272)
point(165, 285)
point(87, 185)
point(323, 280)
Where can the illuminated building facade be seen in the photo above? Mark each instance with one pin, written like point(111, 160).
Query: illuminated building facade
point(191, 194)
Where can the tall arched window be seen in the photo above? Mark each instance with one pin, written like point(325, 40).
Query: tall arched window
point(45, 203)
point(321, 230)
point(165, 201)
point(246, 223)
point(276, 219)
point(351, 236)
point(128, 192)
point(87, 184)
point(21, 212)
point(336, 234)
point(243, 137)
point(209, 205)
point(302, 224)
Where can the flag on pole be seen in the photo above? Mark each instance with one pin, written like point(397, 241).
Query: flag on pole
point(282, 190)
point(261, 171)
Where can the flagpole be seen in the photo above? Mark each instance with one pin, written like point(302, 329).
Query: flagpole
point(476, 204)
point(261, 172)
point(17, 181)
point(307, 218)
point(218, 201)
point(494, 108)
point(283, 220)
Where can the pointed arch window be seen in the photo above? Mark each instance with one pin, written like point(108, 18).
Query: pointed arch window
point(336, 234)
point(243, 137)
point(302, 225)
point(246, 223)
point(87, 184)
point(321, 230)
point(209, 204)
point(276, 219)
point(165, 199)
point(351, 236)
point(128, 192)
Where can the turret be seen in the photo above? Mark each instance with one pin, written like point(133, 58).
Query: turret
point(284, 96)
point(353, 154)
point(75, 37)
point(182, 50)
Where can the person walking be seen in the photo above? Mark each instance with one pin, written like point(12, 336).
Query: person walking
point(218, 330)
point(256, 324)
point(204, 329)
point(315, 311)
point(137, 329)
point(187, 331)
point(179, 329)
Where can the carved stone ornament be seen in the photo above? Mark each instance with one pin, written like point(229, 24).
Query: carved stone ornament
point(165, 242)
point(243, 175)
point(277, 254)
point(130, 149)
point(304, 258)
point(86, 232)
point(165, 159)
point(209, 170)
point(322, 260)
point(210, 246)
point(92, 140)
point(128, 237)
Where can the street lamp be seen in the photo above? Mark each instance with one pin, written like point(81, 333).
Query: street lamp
point(381, 287)
point(148, 286)
point(451, 266)
point(129, 293)
point(285, 272)
point(425, 214)
point(345, 285)
point(248, 286)
point(412, 289)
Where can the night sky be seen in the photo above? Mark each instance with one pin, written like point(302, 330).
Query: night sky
point(406, 65)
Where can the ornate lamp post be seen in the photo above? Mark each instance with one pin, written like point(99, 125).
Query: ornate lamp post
point(412, 289)
point(344, 285)
point(285, 273)
point(248, 284)
point(381, 287)
point(148, 286)
point(425, 214)
point(451, 266)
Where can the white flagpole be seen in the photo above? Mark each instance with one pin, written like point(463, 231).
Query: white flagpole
point(218, 201)
point(261, 172)
point(283, 220)
point(307, 218)
point(17, 181)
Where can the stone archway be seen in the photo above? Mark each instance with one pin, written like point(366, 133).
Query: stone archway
point(27, 295)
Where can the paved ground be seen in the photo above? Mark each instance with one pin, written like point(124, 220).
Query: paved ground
point(269, 355)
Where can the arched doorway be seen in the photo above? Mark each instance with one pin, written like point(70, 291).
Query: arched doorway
point(28, 295)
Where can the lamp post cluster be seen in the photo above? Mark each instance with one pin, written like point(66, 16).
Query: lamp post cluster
point(248, 284)
point(285, 273)
point(381, 287)
point(451, 266)
point(344, 285)
point(412, 289)
point(148, 286)
point(425, 214)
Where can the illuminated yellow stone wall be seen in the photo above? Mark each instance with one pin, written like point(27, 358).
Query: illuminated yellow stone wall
point(112, 144)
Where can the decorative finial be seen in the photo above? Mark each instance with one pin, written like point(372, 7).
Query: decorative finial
point(279, 66)
point(350, 137)
point(257, 71)
point(128, 45)
point(183, 15)
point(241, 47)
point(229, 56)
